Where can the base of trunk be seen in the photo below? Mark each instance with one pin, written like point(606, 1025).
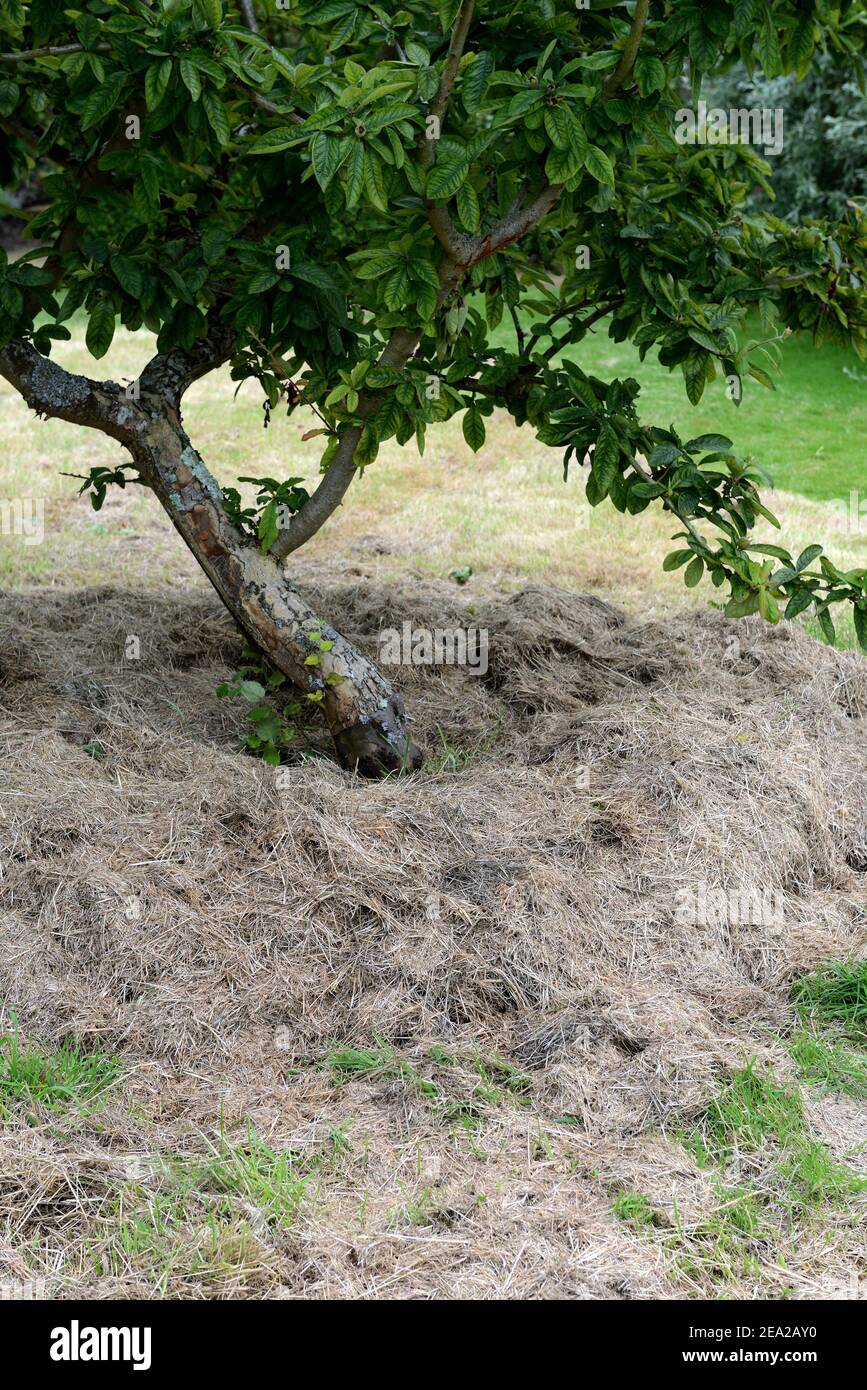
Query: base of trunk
point(363, 711)
point(378, 744)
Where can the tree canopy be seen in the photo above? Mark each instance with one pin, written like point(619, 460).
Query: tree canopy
point(346, 199)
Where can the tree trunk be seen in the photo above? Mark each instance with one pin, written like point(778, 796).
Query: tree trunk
point(365, 715)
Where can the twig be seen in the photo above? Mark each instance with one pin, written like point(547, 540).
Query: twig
point(246, 7)
point(54, 52)
point(453, 61)
point(639, 467)
point(519, 332)
point(627, 62)
point(454, 243)
point(602, 312)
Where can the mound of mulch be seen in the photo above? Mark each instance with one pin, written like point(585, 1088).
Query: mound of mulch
point(168, 902)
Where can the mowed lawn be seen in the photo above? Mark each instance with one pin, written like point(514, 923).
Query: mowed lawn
point(809, 434)
point(505, 512)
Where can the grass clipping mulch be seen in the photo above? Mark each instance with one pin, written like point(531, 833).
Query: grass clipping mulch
point(522, 901)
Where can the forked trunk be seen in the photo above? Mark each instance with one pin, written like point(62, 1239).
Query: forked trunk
point(365, 715)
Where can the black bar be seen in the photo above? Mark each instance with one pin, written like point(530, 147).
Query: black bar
point(222, 1338)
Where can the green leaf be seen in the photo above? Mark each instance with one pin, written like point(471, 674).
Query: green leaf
point(100, 328)
point(762, 377)
point(695, 374)
point(445, 178)
point(663, 456)
point(798, 602)
point(694, 572)
point(210, 12)
point(474, 428)
point(826, 623)
point(475, 81)
point(745, 12)
point(469, 211)
point(649, 75)
point(768, 606)
point(768, 47)
point(801, 45)
point(709, 443)
point(374, 180)
point(558, 126)
point(146, 191)
point(9, 94)
point(43, 17)
point(367, 447)
point(395, 291)
point(806, 557)
point(263, 281)
point(215, 240)
point(578, 142)
point(563, 165)
point(859, 613)
point(216, 113)
point(355, 174)
point(274, 140)
point(522, 103)
point(598, 165)
point(157, 79)
point(325, 158)
point(101, 101)
point(742, 607)
point(676, 559)
point(782, 576)
point(191, 79)
point(128, 275)
point(703, 47)
point(448, 13)
point(775, 550)
point(269, 527)
point(374, 267)
point(606, 457)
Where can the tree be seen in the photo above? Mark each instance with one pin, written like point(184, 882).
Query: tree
point(342, 200)
point(822, 166)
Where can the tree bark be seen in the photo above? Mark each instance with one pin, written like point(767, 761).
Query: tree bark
point(364, 714)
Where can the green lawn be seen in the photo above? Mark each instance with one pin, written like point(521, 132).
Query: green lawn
point(810, 433)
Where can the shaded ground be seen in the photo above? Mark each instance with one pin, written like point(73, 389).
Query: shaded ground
point(465, 1014)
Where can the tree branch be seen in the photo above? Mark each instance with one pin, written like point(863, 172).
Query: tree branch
point(169, 375)
point(456, 244)
point(453, 241)
point(341, 470)
point(601, 312)
point(462, 253)
point(457, 45)
point(623, 71)
point(56, 52)
point(60, 395)
point(640, 467)
point(246, 8)
point(329, 494)
point(516, 224)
